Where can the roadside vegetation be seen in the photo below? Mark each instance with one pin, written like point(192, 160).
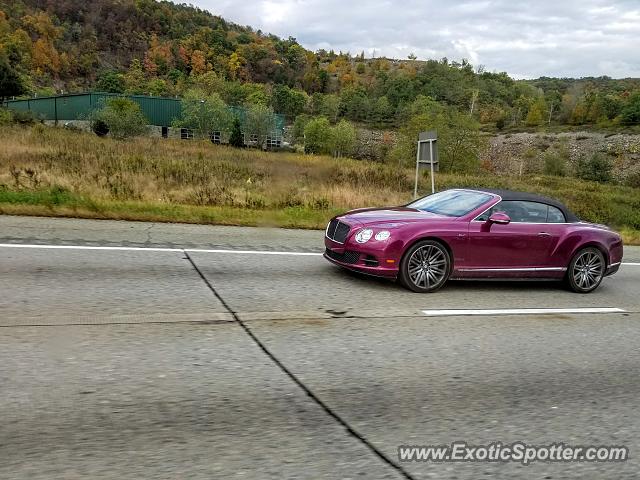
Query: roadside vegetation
point(53, 171)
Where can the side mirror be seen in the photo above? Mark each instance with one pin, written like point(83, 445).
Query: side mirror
point(500, 218)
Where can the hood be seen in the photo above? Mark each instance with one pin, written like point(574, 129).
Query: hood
point(388, 216)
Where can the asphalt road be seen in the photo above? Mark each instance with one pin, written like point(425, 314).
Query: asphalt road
point(156, 362)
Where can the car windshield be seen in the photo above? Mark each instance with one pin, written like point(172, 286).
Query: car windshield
point(452, 203)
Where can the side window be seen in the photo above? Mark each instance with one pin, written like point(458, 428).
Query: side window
point(555, 215)
point(525, 212)
point(514, 209)
point(533, 212)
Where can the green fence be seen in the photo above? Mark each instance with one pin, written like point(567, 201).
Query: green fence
point(159, 111)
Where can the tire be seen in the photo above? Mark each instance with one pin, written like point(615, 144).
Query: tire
point(425, 267)
point(586, 270)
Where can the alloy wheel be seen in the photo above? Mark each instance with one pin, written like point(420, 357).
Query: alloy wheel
point(427, 266)
point(588, 269)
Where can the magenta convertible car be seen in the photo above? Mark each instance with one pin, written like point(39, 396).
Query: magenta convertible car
point(474, 234)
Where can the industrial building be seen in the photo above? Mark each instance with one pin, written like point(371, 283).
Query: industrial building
point(161, 112)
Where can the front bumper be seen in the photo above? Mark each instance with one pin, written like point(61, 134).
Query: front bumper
point(611, 269)
point(363, 258)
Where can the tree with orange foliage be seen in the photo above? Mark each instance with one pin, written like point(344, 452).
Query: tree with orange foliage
point(199, 64)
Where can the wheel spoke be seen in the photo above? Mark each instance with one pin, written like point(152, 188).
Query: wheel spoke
point(423, 279)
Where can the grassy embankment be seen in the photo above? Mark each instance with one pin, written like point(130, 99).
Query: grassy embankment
point(48, 171)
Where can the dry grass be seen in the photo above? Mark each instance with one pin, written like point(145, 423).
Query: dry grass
point(50, 171)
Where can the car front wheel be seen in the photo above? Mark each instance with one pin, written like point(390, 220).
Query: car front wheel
point(425, 267)
point(586, 270)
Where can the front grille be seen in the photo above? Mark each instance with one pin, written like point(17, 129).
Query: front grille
point(338, 231)
point(347, 257)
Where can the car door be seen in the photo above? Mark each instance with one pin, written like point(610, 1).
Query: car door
point(520, 246)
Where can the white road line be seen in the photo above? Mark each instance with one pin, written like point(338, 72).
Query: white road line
point(154, 249)
point(254, 252)
point(519, 311)
point(195, 250)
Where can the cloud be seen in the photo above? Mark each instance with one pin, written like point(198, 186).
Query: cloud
point(569, 38)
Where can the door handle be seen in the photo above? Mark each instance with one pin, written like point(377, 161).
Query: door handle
point(544, 234)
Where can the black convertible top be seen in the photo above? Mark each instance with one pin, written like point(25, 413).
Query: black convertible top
point(532, 197)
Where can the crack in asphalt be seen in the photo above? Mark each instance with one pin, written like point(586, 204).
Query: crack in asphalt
point(307, 390)
point(148, 230)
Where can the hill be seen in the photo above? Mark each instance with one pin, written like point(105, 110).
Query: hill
point(161, 48)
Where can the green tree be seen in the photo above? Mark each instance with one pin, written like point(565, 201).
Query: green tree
point(134, 80)
point(383, 112)
point(330, 107)
point(317, 135)
point(611, 106)
point(123, 117)
point(298, 128)
point(204, 114)
point(537, 112)
point(631, 111)
point(459, 140)
point(260, 122)
point(208, 82)
point(158, 87)
point(355, 103)
point(111, 82)
point(288, 101)
point(236, 139)
point(10, 82)
point(342, 139)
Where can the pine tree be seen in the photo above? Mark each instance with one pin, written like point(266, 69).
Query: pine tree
point(236, 140)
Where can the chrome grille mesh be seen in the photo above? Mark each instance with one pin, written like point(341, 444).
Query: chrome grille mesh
point(338, 231)
point(347, 257)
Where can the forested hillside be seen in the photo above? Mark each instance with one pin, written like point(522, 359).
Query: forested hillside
point(159, 48)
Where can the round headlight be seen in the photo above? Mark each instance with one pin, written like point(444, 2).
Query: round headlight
point(382, 235)
point(364, 235)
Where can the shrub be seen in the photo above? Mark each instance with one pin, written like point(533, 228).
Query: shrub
point(633, 180)
point(6, 116)
point(597, 168)
point(123, 117)
point(100, 128)
point(555, 164)
point(24, 117)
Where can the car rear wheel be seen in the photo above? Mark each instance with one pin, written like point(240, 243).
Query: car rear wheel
point(586, 270)
point(425, 267)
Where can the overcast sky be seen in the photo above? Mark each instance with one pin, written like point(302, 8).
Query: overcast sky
point(527, 39)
